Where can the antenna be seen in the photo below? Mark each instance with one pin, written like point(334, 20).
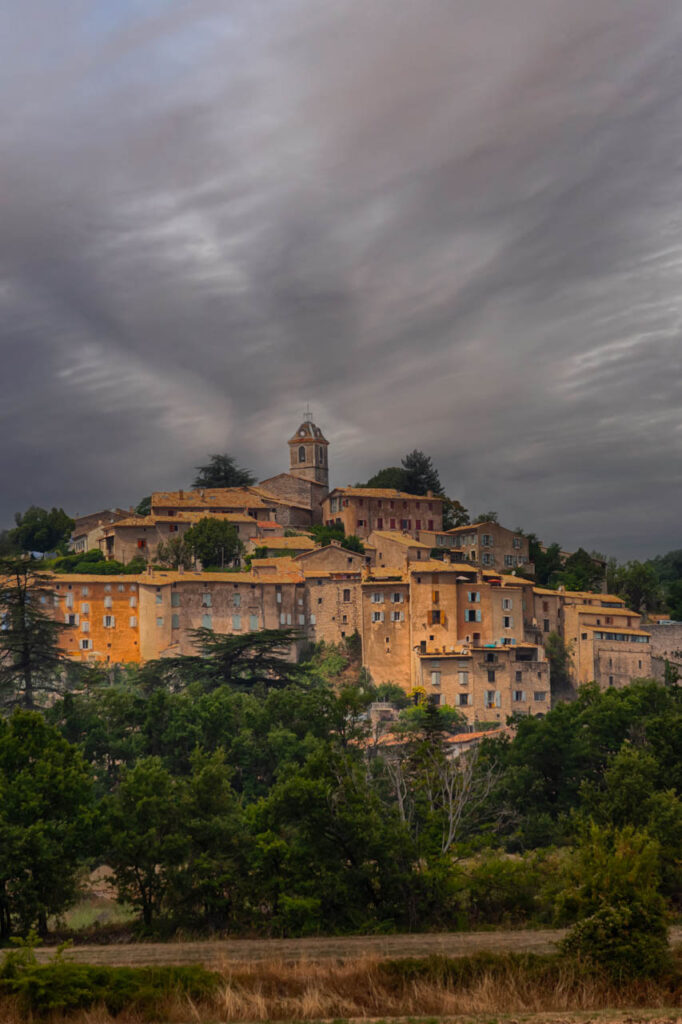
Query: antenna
point(307, 415)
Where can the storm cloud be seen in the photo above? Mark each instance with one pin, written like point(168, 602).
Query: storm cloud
point(448, 225)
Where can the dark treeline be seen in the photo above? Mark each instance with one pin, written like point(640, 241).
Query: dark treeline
point(238, 793)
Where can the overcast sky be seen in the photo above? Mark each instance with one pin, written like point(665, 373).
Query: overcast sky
point(447, 224)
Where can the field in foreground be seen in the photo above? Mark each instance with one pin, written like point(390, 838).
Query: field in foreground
point(214, 952)
point(484, 987)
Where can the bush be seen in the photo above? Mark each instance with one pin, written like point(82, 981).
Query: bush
point(626, 941)
point(63, 986)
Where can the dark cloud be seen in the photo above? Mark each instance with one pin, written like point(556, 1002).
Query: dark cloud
point(445, 224)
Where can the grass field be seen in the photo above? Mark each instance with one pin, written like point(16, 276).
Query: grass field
point(215, 952)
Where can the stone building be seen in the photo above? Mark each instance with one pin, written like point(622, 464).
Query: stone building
point(492, 546)
point(362, 510)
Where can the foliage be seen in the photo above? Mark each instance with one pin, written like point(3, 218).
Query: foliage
point(547, 563)
point(31, 663)
point(637, 583)
point(487, 517)
point(421, 476)
point(144, 506)
point(243, 660)
point(324, 535)
point(560, 658)
point(581, 572)
point(621, 925)
point(223, 471)
point(175, 552)
point(40, 530)
point(46, 821)
point(213, 542)
point(454, 514)
point(392, 478)
point(63, 987)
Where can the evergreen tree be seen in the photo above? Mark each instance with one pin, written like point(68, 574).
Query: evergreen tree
point(223, 471)
point(31, 662)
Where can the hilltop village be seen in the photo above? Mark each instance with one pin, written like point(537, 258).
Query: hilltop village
point(450, 614)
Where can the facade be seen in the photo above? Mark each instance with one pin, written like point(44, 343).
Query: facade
point(138, 536)
point(492, 546)
point(88, 529)
point(362, 510)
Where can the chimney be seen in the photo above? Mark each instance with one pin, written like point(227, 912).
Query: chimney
point(181, 494)
point(149, 570)
point(429, 494)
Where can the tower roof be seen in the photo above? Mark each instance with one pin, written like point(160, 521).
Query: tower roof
point(308, 431)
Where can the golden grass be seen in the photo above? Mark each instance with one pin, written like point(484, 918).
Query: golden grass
point(363, 988)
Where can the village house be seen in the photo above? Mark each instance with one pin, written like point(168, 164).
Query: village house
point(362, 510)
point(492, 546)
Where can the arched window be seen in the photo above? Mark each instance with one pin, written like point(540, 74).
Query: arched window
point(301, 453)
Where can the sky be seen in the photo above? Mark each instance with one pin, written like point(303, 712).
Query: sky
point(453, 225)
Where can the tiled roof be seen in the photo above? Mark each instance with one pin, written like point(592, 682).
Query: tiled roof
point(615, 628)
point(400, 538)
point(383, 492)
point(238, 497)
point(435, 565)
point(596, 609)
point(284, 543)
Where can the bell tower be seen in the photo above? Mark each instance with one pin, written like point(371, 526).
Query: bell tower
point(308, 452)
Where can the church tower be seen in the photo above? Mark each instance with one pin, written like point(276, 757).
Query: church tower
point(308, 452)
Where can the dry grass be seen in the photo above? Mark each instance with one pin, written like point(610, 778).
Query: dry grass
point(368, 988)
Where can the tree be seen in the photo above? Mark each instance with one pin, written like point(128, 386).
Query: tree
point(213, 542)
point(242, 660)
point(621, 925)
point(324, 535)
point(560, 658)
point(146, 838)
point(223, 471)
point(40, 530)
point(392, 477)
point(487, 517)
point(454, 514)
point(637, 583)
point(31, 662)
point(582, 572)
point(675, 600)
point(47, 817)
point(144, 506)
point(547, 563)
point(421, 476)
point(175, 552)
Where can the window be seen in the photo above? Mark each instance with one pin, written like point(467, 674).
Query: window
point(133, 600)
point(377, 597)
point(487, 540)
point(540, 696)
point(472, 615)
point(236, 622)
point(516, 542)
point(490, 656)
point(463, 678)
point(108, 602)
point(518, 696)
point(132, 622)
point(237, 600)
point(175, 621)
point(397, 598)
point(121, 587)
point(361, 522)
point(109, 621)
point(486, 558)
point(301, 453)
point(463, 700)
point(377, 616)
point(418, 524)
point(142, 543)
point(492, 698)
point(491, 675)
point(159, 596)
point(584, 636)
point(85, 627)
point(380, 523)
point(610, 680)
point(206, 601)
point(545, 625)
point(507, 603)
point(393, 524)
point(85, 608)
point(435, 617)
point(435, 678)
point(173, 528)
point(312, 620)
point(107, 587)
point(69, 600)
point(85, 591)
point(507, 621)
point(473, 596)
point(519, 677)
point(85, 645)
point(207, 621)
point(508, 560)
point(159, 620)
point(404, 524)
point(435, 597)
point(398, 616)
point(253, 622)
point(346, 596)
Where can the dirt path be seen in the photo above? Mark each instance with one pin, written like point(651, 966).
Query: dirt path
point(350, 947)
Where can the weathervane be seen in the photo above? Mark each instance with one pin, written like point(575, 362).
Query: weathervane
point(307, 415)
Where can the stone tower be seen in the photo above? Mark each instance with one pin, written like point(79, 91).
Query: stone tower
point(308, 452)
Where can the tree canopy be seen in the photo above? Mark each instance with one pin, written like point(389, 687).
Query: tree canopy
point(43, 531)
point(223, 471)
point(213, 542)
